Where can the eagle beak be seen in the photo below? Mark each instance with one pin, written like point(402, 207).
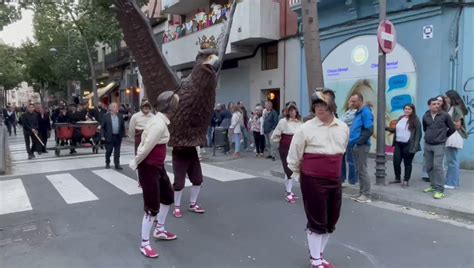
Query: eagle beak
point(213, 61)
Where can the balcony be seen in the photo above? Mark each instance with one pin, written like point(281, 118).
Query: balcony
point(182, 7)
point(117, 58)
point(255, 22)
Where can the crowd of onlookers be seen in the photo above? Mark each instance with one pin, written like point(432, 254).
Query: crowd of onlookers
point(442, 127)
point(247, 130)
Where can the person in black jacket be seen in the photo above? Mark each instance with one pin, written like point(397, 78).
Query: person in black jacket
point(10, 119)
point(44, 127)
point(30, 130)
point(112, 131)
point(406, 140)
point(438, 126)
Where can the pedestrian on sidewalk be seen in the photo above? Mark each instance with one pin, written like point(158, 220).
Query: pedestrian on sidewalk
point(30, 122)
point(244, 126)
point(138, 122)
point(444, 107)
point(270, 121)
point(282, 135)
point(10, 119)
point(44, 127)
point(438, 126)
point(113, 130)
point(315, 156)
point(235, 129)
point(156, 185)
point(455, 142)
point(348, 159)
point(361, 130)
point(256, 127)
point(406, 140)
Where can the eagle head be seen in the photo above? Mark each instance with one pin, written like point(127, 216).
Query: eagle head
point(209, 59)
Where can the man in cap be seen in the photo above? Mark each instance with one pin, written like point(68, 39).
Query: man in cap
point(315, 157)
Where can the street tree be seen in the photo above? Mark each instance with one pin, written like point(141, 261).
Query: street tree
point(9, 14)
point(71, 30)
point(11, 67)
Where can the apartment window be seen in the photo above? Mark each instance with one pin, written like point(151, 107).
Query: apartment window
point(270, 57)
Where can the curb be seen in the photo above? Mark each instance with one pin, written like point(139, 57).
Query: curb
point(447, 212)
point(3, 150)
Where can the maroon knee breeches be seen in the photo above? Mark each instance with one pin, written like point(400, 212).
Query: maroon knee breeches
point(186, 161)
point(322, 203)
point(156, 187)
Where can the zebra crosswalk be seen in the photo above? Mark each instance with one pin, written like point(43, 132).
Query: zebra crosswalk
point(15, 195)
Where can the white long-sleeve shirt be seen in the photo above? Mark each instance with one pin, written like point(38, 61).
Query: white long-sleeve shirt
point(285, 126)
point(317, 138)
point(156, 132)
point(138, 121)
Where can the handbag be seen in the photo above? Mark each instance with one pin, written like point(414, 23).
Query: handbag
point(455, 141)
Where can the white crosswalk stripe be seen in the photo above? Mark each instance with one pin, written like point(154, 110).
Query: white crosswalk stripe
point(223, 174)
point(71, 189)
point(117, 179)
point(13, 197)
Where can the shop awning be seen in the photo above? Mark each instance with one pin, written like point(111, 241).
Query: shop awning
point(102, 91)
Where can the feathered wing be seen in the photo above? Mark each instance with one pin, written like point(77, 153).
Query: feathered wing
point(157, 74)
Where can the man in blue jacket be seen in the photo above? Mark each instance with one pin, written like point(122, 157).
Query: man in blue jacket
point(359, 140)
point(270, 122)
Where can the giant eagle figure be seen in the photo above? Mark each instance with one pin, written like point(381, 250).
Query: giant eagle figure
point(197, 91)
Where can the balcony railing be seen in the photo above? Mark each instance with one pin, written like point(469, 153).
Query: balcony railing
point(99, 69)
point(117, 58)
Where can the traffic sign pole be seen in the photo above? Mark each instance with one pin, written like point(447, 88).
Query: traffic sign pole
point(381, 103)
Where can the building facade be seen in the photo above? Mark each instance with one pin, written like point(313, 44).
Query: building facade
point(434, 53)
point(259, 62)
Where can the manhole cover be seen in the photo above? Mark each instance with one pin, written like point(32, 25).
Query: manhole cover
point(31, 233)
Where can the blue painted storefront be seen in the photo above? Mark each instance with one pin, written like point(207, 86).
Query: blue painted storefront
point(443, 62)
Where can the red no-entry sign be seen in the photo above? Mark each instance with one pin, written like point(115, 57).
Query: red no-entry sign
point(387, 36)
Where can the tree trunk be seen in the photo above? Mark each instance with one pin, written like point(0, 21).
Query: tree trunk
point(312, 46)
point(91, 61)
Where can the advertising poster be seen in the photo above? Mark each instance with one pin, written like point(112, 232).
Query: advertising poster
point(352, 67)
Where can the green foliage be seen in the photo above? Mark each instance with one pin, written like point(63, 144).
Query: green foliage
point(8, 14)
point(11, 67)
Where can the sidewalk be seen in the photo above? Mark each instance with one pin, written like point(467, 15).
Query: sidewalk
point(459, 203)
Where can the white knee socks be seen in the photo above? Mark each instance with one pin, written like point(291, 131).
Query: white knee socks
point(164, 209)
point(147, 224)
point(177, 198)
point(289, 185)
point(194, 194)
point(314, 243)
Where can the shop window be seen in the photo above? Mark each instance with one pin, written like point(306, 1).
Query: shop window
point(270, 57)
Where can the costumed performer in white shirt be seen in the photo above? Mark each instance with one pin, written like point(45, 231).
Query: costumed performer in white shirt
point(315, 156)
point(158, 193)
point(283, 135)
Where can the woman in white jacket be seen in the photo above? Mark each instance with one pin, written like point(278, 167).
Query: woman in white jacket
point(235, 128)
point(158, 193)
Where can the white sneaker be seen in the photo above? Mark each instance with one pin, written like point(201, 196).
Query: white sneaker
point(449, 187)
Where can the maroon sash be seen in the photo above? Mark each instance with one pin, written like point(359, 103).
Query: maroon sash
point(285, 140)
point(157, 156)
point(322, 166)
